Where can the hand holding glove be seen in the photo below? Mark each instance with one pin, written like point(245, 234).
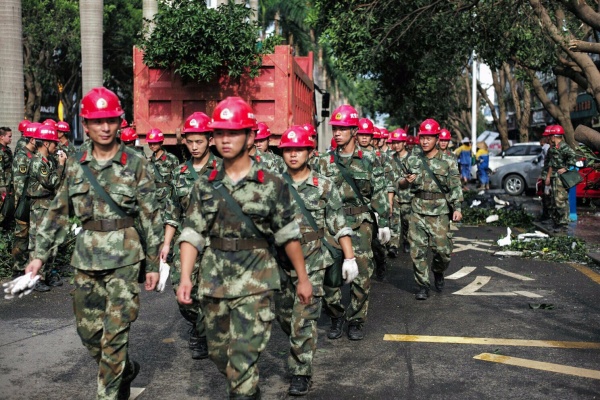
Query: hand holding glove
point(384, 235)
point(20, 286)
point(164, 274)
point(349, 270)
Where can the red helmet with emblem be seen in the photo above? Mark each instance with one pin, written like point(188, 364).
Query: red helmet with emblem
point(23, 125)
point(62, 126)
point(30, 130)
point(365, 126)
point(411, 140)
point(124, 123)
point(128, 135)
point(263, 131)
point(376, 133)
point(344, 115)
point(50, 122)
point(552, 130)
point(46, 132)
point(155, 136)
point(296, 136)
point(233, 113)
point(429, 127)
point(399, 135)
point(311, 129)
point(197, 123)
point(445, 134)
point(100, 102)
point(385, 134)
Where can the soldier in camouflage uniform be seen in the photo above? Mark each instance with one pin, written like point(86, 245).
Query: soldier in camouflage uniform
point(203, 162)
point(561, 159)
point(546, 197)
point(44, 180)
point(22, 140)
point(108, 252)
point(324, 203)
point(162, 164)
point(21, 164)
point(129, 137)
point(64, 132)
point(429, 225)
point(401, 198)
point(368, 175)
point(444, 143)
point(238, 273)
point(6, 159)
point(262, 141)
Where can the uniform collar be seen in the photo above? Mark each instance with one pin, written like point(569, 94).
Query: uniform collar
point(118, 157)
point(255, 174)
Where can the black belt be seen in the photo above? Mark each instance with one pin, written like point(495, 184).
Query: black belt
point(356, 210)
point(226, 244)
point(312, 236)
point(430, 196)
point(108, 225)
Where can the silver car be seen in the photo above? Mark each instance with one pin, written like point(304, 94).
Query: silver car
point(516, 178)
point(514, 154)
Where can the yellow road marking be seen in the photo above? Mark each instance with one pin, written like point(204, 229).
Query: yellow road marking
point(587, 272)
point(492, 341)
point(542, 366)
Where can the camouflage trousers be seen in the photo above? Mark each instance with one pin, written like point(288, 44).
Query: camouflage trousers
point(237, 331)
point(105, 304)
point(560, 203)
point(425, 232)
point(37, 212)
point(399, 229)
point(299, 322)
point(356, 313)
point(191, 312)
point(20, 248)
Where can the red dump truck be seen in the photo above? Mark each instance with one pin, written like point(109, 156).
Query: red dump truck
point(283, 94)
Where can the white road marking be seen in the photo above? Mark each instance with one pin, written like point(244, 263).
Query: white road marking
point(543, 366)
point(527, 294)
point(472, 289)
point(511, 274)
point(461, 273)
point(135, 393)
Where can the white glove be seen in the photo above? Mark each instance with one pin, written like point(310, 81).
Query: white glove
point(164, 274)
point(20, 286)
point(384, 235)
point(349, 270)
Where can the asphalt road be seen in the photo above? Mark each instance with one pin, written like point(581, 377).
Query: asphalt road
point(41, 356)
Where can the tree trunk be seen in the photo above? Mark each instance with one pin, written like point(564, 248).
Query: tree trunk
point(581, 46)
point(522, 105)
point(584, 12)
point(11, 67)
point(149, 10)
point(499, 82)
point(564, 103)
point(91, 13)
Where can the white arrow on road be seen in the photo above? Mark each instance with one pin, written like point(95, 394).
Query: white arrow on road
point(472, 289)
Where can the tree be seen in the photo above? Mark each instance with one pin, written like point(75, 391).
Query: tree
point(91, 14)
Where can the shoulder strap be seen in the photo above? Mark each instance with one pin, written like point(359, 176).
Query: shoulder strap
point(349, 180)
point(100, 190)
point(192, 170)
point(158, 176)
point(432, 175)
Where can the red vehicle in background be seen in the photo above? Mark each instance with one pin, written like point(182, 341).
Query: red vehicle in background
point(589, 188)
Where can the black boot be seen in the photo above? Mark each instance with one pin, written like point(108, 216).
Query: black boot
point(200, 351)
point(355, 332)
point(41, 286)
point(406, 247)
point(300, 385)
point(337, 328)
point(422, 294)
point(54, 279)
point(439, 280)
point(194, 338)
point(132, 369)
point(393, 252)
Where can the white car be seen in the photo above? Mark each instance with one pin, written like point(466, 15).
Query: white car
point(518, 152)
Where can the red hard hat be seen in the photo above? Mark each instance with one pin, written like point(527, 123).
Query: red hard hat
point(429, 127)
point(46, 132)
point(296, 136)
point(333, 144)
point(365, 126)
point(385, 134)
point(411, 140)
point(197, 123)
point(233, 113)
point(128, 135)
point(124, 123)
point(263, 131)
point(100, 102)
point(344, 115)
point(155, 136)
point(62, 126)
point(445, 134)
point(30, 130)
point(399, 135)
point(23, 125)
point(376, 133)
point(554, 130)
point(50, 122)
point(311, 129)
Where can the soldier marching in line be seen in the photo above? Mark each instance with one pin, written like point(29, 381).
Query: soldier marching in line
point(162, 164)
point(400, 199)
point(197, 139)
point(64, 132)
point(6, 159)
point(546, 195)
point(22, 140)
point(262, 142)
point(363, 187)
point(435, 187)
point(129, 138)
point(234, 217)
point(266, 158)
point(109, 189)
point(444, 143)
point(322, 202)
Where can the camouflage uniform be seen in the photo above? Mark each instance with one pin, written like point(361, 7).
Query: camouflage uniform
point(370, 180)
point(183, 181)
point(44, 180)
point(561, 156)
point(107, 263)
point(21, 143)
point(402, 203)
point(162, 168)
point(546, 199)
point(20, 250)
point(6, 174)
point(236, 287)
point(270, 161)
point(429, 224)
point(68, 149)
point(379, 251)
point(299, 321)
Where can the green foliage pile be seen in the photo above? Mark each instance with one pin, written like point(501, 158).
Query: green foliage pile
point(558, 248)
point(200, 43)
point(514, 218)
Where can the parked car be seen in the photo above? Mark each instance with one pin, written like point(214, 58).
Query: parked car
point(515, 154)
point(517, 177)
